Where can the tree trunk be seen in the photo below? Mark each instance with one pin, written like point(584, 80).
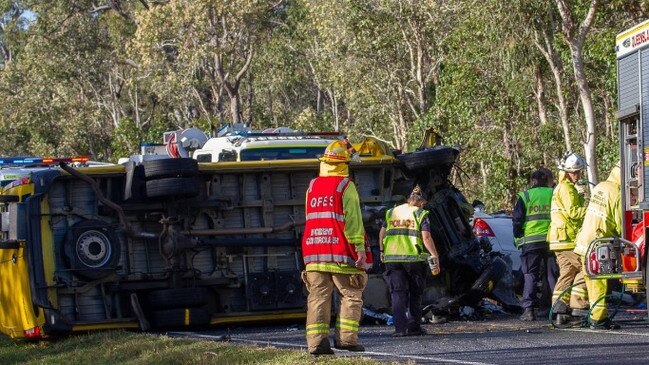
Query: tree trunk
point(575, 37)
point(250, 99)
point(235, 108)
point(485, 178)
point(539, 94)
point(607, 119)
point(334, 109)
point(587, 105)
point(554, 61)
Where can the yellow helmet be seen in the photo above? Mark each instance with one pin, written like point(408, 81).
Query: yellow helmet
point(336, 152)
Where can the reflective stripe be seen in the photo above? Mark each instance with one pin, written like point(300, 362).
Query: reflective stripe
point(329, 258)
point(322, 215)
point(310, 185)
point(317, 328)
point(598, 213)
point(402, 258)
point(561, 246)
point(530, 239)
point(402, 232)
point(579, 292)
point(347, 324)
point(186, 319)
point(341, 185)
point(537, 217)
point(565, 297)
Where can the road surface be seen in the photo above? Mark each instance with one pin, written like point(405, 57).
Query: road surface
point(497, 339)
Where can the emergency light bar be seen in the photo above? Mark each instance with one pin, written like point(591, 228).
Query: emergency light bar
point(27, 161)
point(20, 160)
point(53, 161)
point(284, 134)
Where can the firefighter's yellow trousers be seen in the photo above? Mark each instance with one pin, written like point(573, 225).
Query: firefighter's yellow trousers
point(596, 290)
point(320, 286)
point(570, 272)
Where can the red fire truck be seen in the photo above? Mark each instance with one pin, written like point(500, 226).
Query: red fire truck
point(625, 258)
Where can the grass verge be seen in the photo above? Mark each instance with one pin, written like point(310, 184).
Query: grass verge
point(119, 347)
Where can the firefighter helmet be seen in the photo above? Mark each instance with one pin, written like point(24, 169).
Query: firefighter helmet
point(336, 152)
point(572, 162)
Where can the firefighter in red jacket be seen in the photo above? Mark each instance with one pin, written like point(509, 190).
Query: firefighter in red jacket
point(333, 249)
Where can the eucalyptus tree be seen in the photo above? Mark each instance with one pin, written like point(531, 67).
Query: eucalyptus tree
point(383, 58)
point(575, 29)
point(11, 22)
point(198, 53)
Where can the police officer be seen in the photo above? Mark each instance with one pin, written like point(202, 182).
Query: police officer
point(531, 219)
point(333, 249)
point(405, 241)
point(568, 210)
point(603, 219)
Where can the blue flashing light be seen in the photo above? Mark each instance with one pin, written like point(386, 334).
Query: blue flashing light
point(13, 161)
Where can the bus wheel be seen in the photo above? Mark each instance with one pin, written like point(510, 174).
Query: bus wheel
point(173, 167)
point(92, 249)
point(179, 187)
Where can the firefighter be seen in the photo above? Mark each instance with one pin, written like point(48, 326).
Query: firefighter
point(531, 219)
point(406, 242)
point(603, 219)
point(333, 249)
point(567, 214)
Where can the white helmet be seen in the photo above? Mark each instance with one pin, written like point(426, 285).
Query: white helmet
point(572, 162)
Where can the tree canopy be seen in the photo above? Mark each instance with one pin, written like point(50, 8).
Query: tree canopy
point(514, 84)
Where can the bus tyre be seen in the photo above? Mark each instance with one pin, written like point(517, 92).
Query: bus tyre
point(182, 317)
point(430, 157)
point(170, 167)
point(180, 187)
point(92, 249)
point(178, 298)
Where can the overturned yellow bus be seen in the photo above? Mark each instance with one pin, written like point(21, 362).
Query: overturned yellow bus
point(174, 243)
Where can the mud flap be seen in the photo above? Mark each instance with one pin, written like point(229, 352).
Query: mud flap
point(139, 313)
point(55, 324)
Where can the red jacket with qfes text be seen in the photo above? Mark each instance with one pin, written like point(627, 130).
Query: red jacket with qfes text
point(324, 237)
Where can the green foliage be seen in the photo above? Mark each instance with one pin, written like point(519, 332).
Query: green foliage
point(102, 82)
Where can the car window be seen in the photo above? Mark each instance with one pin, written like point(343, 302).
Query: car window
point(281, 153)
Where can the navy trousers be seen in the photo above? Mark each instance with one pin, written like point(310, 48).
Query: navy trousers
point(406, 281)
point(537, 260)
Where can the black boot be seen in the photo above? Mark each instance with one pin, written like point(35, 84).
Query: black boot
point(528, 315)
point(324, 348)
point(560, 307)
point(604, 324)
point(561, 320)
point(353, 348)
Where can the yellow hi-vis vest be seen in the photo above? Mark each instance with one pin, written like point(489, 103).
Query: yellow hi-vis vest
point(402, 241)
point(537, 215)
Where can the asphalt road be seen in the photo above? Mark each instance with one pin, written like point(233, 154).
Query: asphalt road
point(498, 339)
